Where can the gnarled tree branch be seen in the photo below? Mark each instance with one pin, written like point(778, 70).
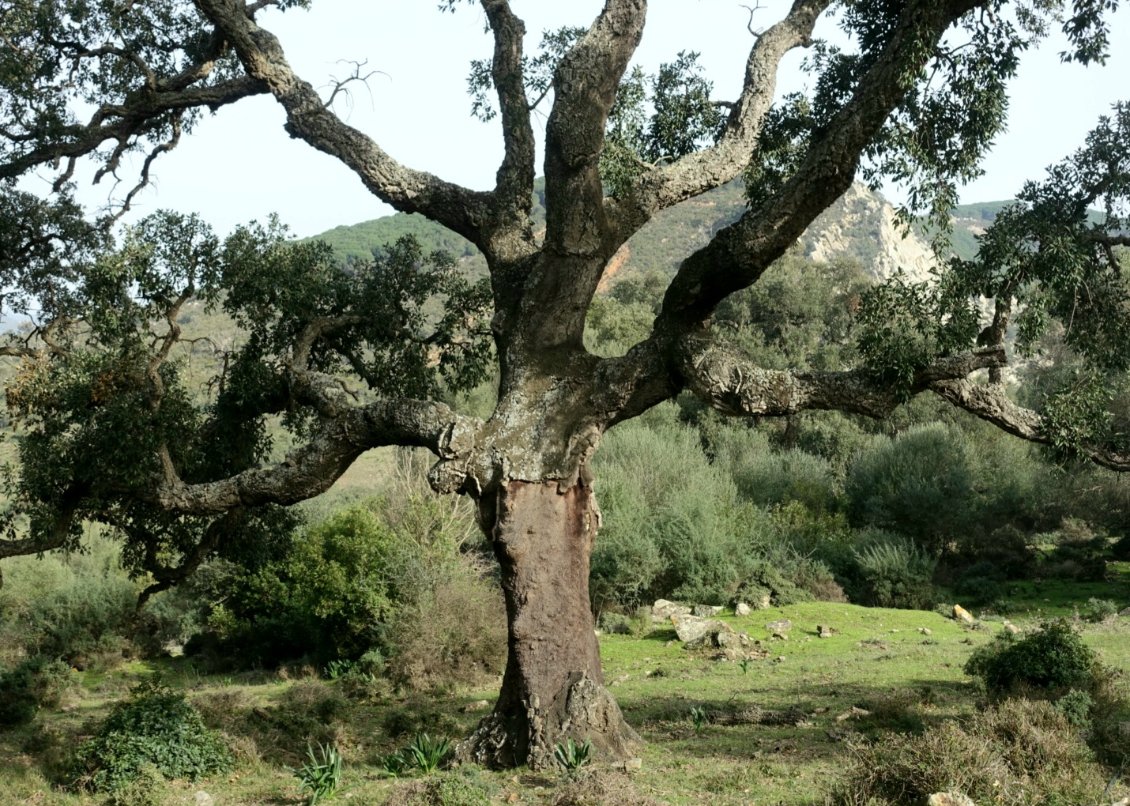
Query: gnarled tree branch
point(733, 385)
point(315, 466)
point(992, 404)
point(665, 185)
point(740, 253)
point(457, 208)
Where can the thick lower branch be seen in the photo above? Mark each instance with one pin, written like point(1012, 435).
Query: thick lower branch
point(314, 467)
point(992, 404)
point(736, 386)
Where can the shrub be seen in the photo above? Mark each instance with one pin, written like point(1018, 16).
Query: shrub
point(77, 607)
point(892, 572)
point(156, 727)
point(674, 526)
point(35, 683)
point(1098, 610)
point(917, 484)
point(1049, 662)
point(1076, 707)
point(1021, 753)
point(458, 788)
point(768, 477)
point(454, 632)
point(394, 576)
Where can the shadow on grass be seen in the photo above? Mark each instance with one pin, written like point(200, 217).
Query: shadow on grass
point(813, 725)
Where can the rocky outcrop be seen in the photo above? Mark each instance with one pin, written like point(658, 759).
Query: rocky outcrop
point(861, 225)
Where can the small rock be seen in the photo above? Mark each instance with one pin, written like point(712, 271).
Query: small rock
point(824, 631)
point(1011, 628)
point(765, 602)
point(779, 628)
point(705, 611)
point(742, 609)
point(1125, 612)
point(855, 712)
point(692, 629)
point(202, 798)
point(963, 615)
point(633, 764)
point(664, 610)
point(949, 799)
point(925, 631)
point(728, 638)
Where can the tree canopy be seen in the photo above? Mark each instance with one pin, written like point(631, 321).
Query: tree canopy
point(352, 356)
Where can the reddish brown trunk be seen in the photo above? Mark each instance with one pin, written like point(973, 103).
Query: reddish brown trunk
point(553, 688)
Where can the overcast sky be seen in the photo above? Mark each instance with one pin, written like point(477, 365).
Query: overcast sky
point(241, 165)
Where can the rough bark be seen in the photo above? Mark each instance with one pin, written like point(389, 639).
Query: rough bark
point(552, 689)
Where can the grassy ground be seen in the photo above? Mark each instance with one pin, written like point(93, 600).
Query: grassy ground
point(777, 730)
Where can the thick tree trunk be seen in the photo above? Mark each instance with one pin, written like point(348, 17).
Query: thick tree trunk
point(553, 688)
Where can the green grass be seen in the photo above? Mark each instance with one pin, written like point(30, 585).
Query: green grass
point(778, 732)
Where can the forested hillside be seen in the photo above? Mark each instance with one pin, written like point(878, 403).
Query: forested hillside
point(859, 226)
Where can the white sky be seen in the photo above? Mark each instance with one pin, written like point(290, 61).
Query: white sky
point(240, 164)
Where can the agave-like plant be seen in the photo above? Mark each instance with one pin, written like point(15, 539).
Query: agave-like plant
point(321, 774)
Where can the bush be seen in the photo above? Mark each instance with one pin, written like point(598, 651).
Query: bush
point(395, 576)
point(1021, 753)
point(674, 526)
point(76, 607)
point(768, 477)
point(892, 572)
point(453, 633)
point(1049, 663)
point(156, 727)
point(918, 484)
point(35, 683)
point(457, 788)
point(1098, 610)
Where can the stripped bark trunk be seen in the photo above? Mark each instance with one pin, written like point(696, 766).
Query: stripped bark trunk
point(553, 688)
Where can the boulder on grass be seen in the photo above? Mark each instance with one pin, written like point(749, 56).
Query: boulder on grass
point(962, 615)
point(664, 611)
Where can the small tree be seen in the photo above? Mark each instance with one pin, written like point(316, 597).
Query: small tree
point(112, 432)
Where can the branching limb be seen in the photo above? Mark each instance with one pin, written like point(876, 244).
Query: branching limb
point(585, 88)
point(557, 291)
point(993, 405)
point(313, 468)
point(317, 389)
point(135, 119)
point(166, 577)
point(738, 254)
point(671, 183)
point(308, 119)
point(735, 386)
point(341, 85)
point(515, 179)
point(56, 536)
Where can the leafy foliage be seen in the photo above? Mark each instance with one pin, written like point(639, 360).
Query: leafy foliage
point(33, 684)
point(1051, 660)
point(320, 775)
point(156, 726)
point(658, 118)
point(571, 756)
point(893, 573)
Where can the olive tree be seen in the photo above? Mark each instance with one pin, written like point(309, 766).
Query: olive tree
point(112, 433)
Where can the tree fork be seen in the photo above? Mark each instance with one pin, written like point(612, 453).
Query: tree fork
point(553, 687)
